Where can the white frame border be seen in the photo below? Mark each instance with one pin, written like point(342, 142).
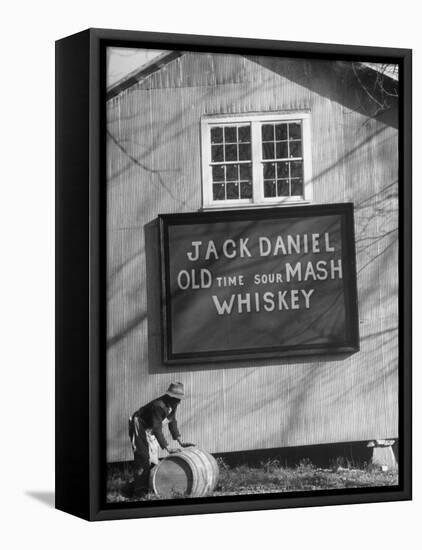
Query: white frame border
point(255, 120)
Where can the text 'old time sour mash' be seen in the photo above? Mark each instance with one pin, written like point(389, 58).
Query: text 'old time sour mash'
point(290, 247)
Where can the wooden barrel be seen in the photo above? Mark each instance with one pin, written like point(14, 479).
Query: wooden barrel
point(192, 472)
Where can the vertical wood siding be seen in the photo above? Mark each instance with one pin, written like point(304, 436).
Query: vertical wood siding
point(154, 167)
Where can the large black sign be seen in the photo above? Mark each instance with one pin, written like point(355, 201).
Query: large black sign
point(259, 283)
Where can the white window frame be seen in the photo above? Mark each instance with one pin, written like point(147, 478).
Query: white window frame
point(256, 120)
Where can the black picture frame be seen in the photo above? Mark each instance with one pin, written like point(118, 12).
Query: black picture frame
point(81, 273)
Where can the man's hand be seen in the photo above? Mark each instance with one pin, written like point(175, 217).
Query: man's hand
point(173, 451)
point(184, 445)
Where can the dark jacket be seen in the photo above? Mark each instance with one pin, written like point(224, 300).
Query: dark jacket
point(152, 415)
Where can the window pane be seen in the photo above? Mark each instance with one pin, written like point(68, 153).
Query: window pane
point(216, 134)
point(281, 132)
point(269, 188)
point(245, 172)
point(232, 166)
point(244, 133)
point(296, 169)
point(245, 151)
point(297, 187)
point(269, 170)
point(231, 172)
point(268, 150)
point(282, 170)
point(231, 152)
point(295, 148)
point(217, 153)
point(218, 173)
point(282, 150)
point(267, 132)
point(232, 191)
point(230, 134)
point(245, 190)
point(283, 188)
point(295, 131)
point(218, 191)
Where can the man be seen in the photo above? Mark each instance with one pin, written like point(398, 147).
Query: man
point(146, 433)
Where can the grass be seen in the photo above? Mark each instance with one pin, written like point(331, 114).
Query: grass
point(268, 477)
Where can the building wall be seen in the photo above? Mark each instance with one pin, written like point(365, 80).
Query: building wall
point(154, 167)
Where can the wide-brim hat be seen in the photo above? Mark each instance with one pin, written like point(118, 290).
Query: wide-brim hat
point(176, 390)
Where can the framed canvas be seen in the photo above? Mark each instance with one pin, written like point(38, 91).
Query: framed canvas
point(233, 274)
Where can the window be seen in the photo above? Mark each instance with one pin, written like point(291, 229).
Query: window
point(250, 160)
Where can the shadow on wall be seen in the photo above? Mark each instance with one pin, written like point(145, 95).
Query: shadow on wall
point(156, 364)
point(359, 89)
point(45, 497)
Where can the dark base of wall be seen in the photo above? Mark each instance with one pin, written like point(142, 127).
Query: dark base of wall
point(354, 454)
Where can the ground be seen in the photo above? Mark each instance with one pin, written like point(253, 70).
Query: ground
point(269, 477)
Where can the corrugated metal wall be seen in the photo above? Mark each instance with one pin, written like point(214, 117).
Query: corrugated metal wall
point(154, 167)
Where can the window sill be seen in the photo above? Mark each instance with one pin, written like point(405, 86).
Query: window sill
point(240, 206)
